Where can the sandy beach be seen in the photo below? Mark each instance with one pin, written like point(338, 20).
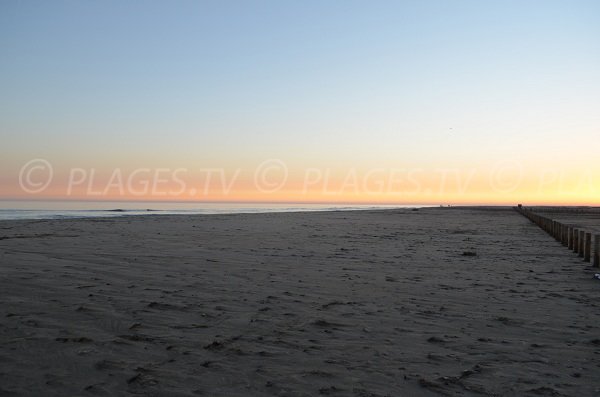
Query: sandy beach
point(436, 301)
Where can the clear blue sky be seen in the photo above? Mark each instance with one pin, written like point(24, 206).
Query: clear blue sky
point(326, 81)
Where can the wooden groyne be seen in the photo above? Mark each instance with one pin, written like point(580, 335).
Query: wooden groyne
point(585, 244)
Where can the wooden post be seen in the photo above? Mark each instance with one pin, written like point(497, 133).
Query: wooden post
point(565, 235)
point(597, 250)
point(561, 234)
point(575, 240)
point(581, 243)
point(570, 233)
point(588, 247)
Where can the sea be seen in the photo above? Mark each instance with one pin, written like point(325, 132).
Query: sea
point(10, 210)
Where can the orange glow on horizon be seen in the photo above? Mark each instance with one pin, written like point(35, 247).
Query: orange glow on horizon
point(270, 184)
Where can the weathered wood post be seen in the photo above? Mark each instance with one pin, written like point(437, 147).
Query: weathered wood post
point(597, 250)
point(570, 237)
point(575, 240)
point(588, 247)
point(581, 243)
point(561, 233)
point(565, 235)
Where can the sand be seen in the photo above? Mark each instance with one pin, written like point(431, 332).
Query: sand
point(356, 303)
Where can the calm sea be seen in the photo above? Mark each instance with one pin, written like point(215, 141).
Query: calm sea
point(85, 209)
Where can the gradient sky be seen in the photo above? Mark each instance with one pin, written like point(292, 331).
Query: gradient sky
point(464, 101)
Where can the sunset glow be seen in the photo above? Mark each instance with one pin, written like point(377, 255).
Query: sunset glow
point(398, 103)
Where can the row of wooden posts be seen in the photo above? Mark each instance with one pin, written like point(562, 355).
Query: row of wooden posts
point(576, 239)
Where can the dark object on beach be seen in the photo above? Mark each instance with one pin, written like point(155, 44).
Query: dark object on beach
point(469, 253)
point(435, 339)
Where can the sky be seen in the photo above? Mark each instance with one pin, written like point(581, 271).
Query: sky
point(387, 102)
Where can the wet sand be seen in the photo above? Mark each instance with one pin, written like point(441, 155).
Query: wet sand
point(439, 301)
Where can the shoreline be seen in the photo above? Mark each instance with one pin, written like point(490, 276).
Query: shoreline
point(118, 212)
point(113, 213)
point(151, 212)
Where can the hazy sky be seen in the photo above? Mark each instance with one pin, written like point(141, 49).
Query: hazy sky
point(460, 101)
